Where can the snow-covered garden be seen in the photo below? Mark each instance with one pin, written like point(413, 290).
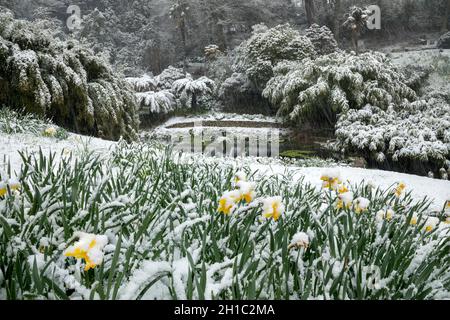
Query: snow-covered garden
point(98, 201)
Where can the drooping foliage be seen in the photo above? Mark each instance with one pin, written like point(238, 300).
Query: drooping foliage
point(189, 91)
point(172, 89)
point(318, 90)
point(63, 81)
point(143, 83)
point(156, 102)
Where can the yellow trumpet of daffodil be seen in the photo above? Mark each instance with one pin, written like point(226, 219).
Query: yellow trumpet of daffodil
point(361, 204)
point(344, 200)
point(399, 189)
point(247, 190)
point(431, 224)
point(331, 180)
point(228, 201)
point(89, 247)
point(13, 185)
point(273, 208)
point(414, 219)
point(3, 189)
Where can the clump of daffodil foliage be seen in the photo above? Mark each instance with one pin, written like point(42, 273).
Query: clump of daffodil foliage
point(14, 122)
point(143, 223)
point(63, 81)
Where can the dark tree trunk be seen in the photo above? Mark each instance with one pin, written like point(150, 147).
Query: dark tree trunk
point(183, 41)
point(336, 18)
point(355, 38)
point(446, 16)
point(310, 11)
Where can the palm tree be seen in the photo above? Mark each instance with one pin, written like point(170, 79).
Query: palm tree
point(189, 90)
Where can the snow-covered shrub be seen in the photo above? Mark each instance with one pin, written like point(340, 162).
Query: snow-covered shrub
point(322, 38)
point(63, 81)
point(409, 137)
point(156, 102)
point(169, 75)
point(143, 84)
point(258, 55)
point(317, 90)
point(190, 91)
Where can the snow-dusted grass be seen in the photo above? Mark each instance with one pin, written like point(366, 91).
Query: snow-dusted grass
point(14, 122)
point(167, 240)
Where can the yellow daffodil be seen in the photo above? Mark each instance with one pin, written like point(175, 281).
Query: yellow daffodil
point(344, 200)
point(431, 224)
point(228, 201)
point(273, 208)
point(414, 219)
point(239, 176)
point(399, 189)
point(385, 215)
point(247, 190)
point(3, 189)
point(361, 204)
point(342, 189)
point(14, 184)
point(331, 180)
point(389, 214)
point(89, 247)
point(50, 132)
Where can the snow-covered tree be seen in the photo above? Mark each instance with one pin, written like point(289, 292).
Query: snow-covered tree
point(238, 93)
point(189, 91)
point(322, 38)
point(144, 83)
point(63, 81)
point(318, 90)
point(169, 75)
point(257, 56)
point(159, 102)
point(355, 23)
point(170, 90)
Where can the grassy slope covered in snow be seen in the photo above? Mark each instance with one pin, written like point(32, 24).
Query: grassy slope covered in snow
point(167, 240)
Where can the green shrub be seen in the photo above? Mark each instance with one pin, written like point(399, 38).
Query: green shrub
point(63, 81)
point(318, 90)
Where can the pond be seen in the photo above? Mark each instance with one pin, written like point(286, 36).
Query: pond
point(235, 138)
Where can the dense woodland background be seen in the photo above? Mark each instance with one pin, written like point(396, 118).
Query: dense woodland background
point(149, 35)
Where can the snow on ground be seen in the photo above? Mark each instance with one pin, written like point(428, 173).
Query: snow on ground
point(426, 58)
point(420, 187)
point(220, 116)
point(10, 145)
point(434, 189)
point(217, 131)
